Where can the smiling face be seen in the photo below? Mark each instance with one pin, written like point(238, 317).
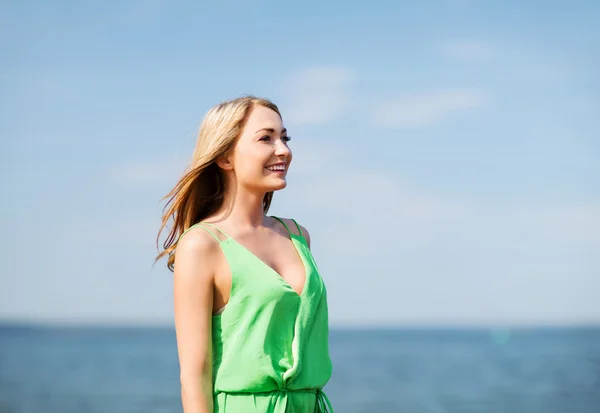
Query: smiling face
point(261, 156)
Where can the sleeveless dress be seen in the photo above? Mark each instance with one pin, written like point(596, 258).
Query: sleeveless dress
point(270, 344)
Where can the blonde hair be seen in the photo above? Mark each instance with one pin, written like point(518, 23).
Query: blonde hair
point(200, 192)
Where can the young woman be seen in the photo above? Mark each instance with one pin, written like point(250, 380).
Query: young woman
point(250, 306)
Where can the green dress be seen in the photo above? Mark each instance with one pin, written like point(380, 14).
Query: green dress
point(270, 344)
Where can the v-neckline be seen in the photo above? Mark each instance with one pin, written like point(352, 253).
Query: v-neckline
point(287, 284)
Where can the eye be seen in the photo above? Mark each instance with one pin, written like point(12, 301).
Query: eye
point(265, 138)
point(286, 138)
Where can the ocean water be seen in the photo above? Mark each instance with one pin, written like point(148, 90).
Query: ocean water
point(118, 370)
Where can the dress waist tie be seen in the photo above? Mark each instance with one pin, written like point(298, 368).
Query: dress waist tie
point(322, 403)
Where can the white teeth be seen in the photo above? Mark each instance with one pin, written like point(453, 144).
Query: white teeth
point(276, 168)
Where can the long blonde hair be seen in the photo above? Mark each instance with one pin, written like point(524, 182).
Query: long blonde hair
point(200, 192)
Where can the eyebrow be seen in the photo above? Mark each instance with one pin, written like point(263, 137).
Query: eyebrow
point(284, 130)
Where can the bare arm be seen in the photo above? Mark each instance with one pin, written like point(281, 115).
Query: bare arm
point(193, 302)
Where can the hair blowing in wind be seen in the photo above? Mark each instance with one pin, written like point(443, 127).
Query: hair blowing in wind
point(200, 191)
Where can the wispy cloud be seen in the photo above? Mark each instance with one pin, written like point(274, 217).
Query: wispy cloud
point(427, 108)
point(147, 172)
point(143, 12)
point(419, 219)
point(470, 50)
point(135, 230)
point(318, 94)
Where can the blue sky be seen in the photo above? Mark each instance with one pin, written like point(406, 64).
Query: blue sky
point(445, 152)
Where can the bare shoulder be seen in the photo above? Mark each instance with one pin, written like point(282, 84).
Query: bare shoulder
point(290, 223)
point(195, 249)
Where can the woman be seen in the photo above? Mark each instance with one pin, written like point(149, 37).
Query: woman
point(250, 306)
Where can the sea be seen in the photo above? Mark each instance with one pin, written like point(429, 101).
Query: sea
point(408, 370)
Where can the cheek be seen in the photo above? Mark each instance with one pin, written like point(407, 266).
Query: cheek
point(250, 160)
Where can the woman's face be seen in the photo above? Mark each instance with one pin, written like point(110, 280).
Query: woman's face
point(261, 156)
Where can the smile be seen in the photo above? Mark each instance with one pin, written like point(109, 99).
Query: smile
point(278, 167)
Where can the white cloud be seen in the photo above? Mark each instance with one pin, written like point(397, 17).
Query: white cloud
point(427, 108)
point(466, 50)
point(148, 172)
point(418, 218)
point(143, 12)
point(134, 230)
point(317, 95)
point(574, 222)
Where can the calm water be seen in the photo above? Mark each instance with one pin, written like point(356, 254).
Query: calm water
point(92, 370)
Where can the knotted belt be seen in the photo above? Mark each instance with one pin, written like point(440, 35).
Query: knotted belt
point(322, 403)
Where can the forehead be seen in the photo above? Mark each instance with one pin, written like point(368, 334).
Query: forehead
point(262, 117)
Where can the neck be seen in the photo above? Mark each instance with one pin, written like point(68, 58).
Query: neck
point(242, 208)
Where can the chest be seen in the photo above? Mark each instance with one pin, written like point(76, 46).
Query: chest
point(280, 255)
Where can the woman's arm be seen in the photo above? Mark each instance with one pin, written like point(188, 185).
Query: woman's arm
point(193, 302)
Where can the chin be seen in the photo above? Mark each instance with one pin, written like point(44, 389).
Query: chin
point(276, 187)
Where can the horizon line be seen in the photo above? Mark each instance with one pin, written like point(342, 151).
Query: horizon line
point(79, 324)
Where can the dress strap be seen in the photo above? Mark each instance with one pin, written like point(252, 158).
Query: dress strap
point(202, 225)
point(297, 226)
point(286, 227)
point(218, 229)
point(284, 224)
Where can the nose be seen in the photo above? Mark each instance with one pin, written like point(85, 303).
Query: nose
point(281, 149)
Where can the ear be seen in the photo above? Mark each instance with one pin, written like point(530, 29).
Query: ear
point(225, 162)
